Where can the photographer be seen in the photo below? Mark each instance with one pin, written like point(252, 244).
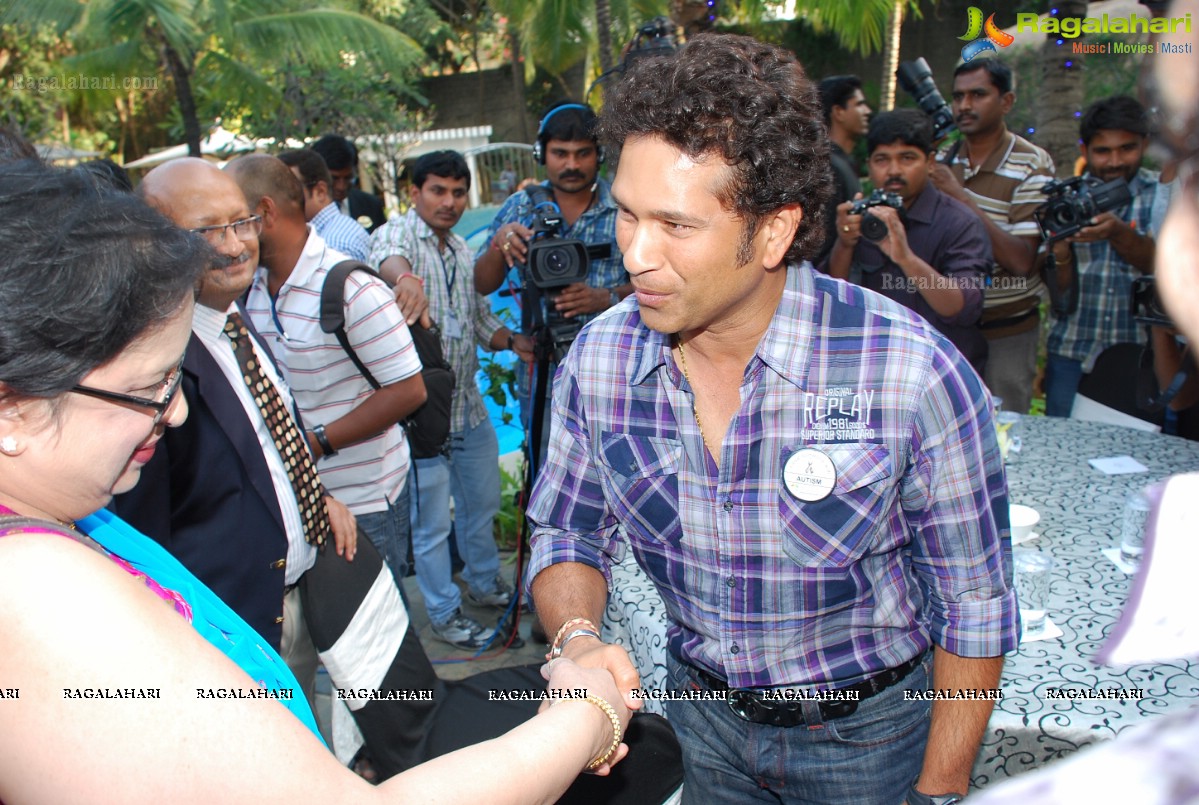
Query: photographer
point(999, 175)
point(567, 147)
point(932, 254)
point(1095, 268)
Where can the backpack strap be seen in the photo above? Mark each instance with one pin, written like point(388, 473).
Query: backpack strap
point(333, 309)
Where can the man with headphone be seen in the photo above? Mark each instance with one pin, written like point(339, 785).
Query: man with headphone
point(567, 147)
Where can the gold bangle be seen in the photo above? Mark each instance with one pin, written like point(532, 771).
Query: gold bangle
point(616, 731)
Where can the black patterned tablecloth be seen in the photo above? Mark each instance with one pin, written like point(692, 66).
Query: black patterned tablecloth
point(1081, 510)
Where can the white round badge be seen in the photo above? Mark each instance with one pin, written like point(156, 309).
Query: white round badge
point(809, 474)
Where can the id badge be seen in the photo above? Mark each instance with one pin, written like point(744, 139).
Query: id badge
point(451, 326)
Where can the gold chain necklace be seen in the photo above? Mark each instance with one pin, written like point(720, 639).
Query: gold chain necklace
point(695, 410)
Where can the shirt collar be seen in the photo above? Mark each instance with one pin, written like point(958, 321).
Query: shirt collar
point(310, 260)
point(924, 208)
point(784, 348)
point(325, 215)
point(996, 158)
point(208, 323)
point(423, 231)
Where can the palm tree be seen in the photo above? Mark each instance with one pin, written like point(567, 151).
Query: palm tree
point(1061, 79)
point(865, 26)
point(225, 45)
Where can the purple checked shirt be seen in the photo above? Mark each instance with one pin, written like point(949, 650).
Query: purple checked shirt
point(763, 587)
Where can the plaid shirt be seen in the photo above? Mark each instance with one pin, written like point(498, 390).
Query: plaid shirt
point(762, 588)
point(1104, 314)
point(453, 303)
point(341, 233)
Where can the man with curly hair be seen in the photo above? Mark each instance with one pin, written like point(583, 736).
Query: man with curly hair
point(807, 471)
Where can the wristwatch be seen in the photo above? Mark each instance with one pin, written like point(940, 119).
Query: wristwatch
point(915, 797)
point(323, 441)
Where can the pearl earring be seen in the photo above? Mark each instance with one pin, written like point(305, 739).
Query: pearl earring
point(8, 446)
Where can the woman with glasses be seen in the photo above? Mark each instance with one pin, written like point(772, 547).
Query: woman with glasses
point(121, 677)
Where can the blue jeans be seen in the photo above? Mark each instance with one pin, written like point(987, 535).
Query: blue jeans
point(866, 758)
point(390, 532)
point(1062, 376)
point(471, 475)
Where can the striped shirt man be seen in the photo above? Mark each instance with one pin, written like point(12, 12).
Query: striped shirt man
point(767, 582)
point(324, 381)
point(1007, 187)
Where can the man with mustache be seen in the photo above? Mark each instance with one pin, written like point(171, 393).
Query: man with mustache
point(566, 145)
point(999, 175)
point(935, 256)
point(1097, 266)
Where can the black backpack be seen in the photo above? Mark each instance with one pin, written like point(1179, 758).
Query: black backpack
point(428, 427)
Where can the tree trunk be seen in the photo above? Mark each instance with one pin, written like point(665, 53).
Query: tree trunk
point(518, 84)
point(603, 32)
point(181, 75)
point(1060, 94)
point(891, 56)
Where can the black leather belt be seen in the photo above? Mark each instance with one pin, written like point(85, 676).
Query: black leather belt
point(774, 707)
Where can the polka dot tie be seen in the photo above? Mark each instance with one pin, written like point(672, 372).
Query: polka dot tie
point(301, 471)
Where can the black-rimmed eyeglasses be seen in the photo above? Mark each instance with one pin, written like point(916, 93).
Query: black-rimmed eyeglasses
point(167, 390)
point(244, 229)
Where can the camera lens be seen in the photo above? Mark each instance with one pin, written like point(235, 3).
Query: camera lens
point(873, 228)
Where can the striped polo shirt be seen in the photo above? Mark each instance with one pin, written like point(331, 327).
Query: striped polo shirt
point(324, 381)
point(1007, 187)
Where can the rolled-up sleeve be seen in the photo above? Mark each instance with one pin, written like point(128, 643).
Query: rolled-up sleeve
point(570, 516)
point(956, 502)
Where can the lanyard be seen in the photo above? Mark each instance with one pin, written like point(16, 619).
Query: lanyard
point(449, 274)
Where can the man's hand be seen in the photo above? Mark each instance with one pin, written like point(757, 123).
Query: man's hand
point(522, 345)
point(345, 528)
point(513, 242)
point(589, 652)
point(849, 227)
point(944, 180)
point(895, 244)
point(563, 675)
point(1103, 226)
point(411, 299)
point(578, 298)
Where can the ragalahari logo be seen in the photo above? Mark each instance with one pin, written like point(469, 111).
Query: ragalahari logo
point(974, 26)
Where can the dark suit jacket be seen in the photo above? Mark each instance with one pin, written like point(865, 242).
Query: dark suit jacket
point(368, 204)
point(207, 496)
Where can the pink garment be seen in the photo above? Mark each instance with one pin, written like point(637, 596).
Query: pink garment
point(170, 596)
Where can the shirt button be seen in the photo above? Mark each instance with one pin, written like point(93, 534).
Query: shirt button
point(728, 505)
point(732, 581)
point(735, 649)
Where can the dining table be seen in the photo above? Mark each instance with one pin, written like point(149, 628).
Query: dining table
point(1054, 697)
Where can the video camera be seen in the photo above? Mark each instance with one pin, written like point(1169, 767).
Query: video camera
point(554, 262)
point(1146, 305)
point(916, 78)
point(873, 227)
point(1074, 202)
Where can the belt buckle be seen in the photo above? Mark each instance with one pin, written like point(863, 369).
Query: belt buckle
point(743, 704)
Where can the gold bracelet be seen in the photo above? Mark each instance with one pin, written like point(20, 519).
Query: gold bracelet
point(556, 647)
point(616, 731)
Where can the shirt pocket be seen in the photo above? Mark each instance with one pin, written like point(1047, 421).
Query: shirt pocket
point(643, 476)
point(835, 531)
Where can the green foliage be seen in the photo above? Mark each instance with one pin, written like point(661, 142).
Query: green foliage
point(27, 101)
point(507, 524)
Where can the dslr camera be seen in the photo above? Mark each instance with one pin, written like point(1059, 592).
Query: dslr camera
point(873, 227)
point(916, 78)
point(1074, 202)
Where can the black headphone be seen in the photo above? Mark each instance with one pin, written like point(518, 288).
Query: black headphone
point(539, 146)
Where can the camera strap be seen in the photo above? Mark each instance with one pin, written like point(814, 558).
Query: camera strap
point(1147, 381)
point(952, 153)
